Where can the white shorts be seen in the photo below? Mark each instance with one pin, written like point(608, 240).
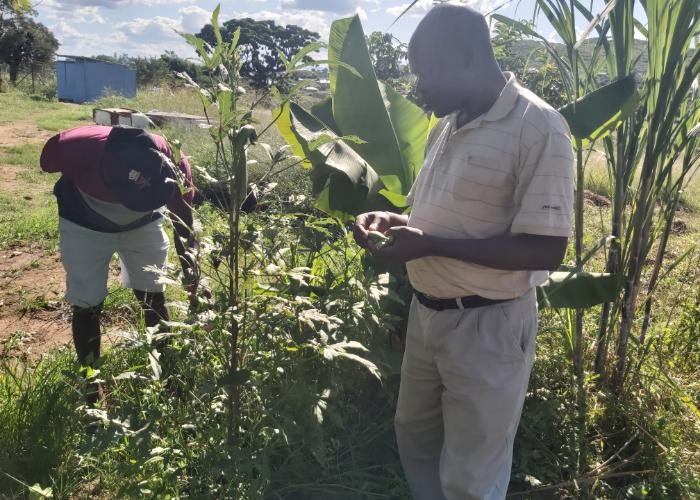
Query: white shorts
point(86, 255)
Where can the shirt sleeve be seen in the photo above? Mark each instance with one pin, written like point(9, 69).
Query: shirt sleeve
point(545, 188)
point(74, 151)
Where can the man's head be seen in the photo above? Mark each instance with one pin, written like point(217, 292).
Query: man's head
point(141, 176)
point(450, 52)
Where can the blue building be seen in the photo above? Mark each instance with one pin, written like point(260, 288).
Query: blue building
point(83, 79)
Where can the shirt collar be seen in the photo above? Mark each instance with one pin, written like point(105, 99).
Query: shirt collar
point(500, 109)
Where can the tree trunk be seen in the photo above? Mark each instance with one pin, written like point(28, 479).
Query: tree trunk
point(14, 73)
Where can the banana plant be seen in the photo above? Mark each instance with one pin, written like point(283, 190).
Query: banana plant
point(365, 142)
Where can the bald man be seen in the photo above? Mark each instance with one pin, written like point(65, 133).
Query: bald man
point(490, 215)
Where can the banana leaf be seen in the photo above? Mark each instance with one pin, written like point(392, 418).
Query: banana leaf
point(577, 290)
point(394, 128)
point(598, 113)
point(343, 183)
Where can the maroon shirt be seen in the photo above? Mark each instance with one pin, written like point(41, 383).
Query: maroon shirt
point(76, 153)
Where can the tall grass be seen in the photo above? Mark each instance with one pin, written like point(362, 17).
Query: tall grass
point(38, 428)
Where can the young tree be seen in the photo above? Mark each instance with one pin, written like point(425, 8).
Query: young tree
point(386, 57)
point(26, 44)
point(259, 43)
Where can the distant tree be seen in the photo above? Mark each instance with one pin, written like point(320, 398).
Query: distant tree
point(26, 44)
point(530, 63)
point(386, 57)
point(260, 41)
point(14, 7)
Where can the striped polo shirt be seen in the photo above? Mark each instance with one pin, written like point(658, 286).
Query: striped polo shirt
point(508, 171)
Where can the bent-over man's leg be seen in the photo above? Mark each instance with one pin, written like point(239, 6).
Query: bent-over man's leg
point(85, 255)
point(153, 305)
point(144, 255)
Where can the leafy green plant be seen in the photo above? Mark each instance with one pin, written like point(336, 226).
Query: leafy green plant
point(365, 143)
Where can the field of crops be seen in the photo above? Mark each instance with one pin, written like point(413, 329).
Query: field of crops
point(283, 383)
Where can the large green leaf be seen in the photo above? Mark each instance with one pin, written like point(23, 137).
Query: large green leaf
point(342, 181)
point(323, 110)
point(598, 113)
point(411, 126)
point(362, 108)
point(577, 290)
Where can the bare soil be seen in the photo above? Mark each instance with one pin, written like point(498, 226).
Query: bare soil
point(31, 299)
point(22, 132)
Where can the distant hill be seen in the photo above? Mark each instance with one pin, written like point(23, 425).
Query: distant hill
point(524, 48)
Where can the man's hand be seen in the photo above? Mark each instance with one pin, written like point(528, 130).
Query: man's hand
point(192, 289)
point(375, 221)
point(408, 243)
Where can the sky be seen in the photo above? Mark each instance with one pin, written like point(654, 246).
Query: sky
point(150, 27)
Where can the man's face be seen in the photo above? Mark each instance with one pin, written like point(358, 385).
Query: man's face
point(443, 80)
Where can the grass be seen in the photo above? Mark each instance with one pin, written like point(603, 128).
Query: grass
point(27, 155)
point(182, 100)
point(71, 115)
point(38, 428)
point(49, 115)
point(28, 222)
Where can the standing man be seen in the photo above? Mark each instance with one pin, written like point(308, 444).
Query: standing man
point(490, 214)
point(112, 195)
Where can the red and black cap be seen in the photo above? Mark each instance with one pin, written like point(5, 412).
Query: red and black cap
point(141, 176)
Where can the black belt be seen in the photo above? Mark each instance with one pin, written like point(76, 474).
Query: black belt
point(467, 302)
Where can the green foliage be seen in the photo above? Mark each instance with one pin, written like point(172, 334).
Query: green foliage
point(393, 132)
point(26, 45)
point(598, 113)
point(387, 58)
point(531, 64)
point(38, 429)
point(261, 43)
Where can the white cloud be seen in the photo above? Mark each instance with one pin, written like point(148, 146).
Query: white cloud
point(418, 9)
point(362, 13)
point(140, 37)
point(311, 20)
point(194, 18)
point(59, 11)
point(149, 30)
point(108, 4)
point(337, 6)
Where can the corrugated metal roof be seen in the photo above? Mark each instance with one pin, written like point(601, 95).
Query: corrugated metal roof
point(85, 58)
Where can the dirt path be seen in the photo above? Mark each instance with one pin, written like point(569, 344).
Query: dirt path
point(31, 299)
point(22, 132)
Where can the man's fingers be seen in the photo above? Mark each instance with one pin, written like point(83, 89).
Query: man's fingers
point(376, 224)
point(360, 234)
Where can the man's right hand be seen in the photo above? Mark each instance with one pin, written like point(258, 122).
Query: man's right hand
point(375, 221)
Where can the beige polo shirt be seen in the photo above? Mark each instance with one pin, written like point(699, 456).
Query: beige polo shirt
point(508, 171)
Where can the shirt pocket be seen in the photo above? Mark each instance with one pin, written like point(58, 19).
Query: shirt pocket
point(484, 178)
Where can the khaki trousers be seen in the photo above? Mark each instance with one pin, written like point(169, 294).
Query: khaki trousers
point(463, 382)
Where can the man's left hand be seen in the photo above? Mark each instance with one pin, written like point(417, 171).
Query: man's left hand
point(408, 243)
